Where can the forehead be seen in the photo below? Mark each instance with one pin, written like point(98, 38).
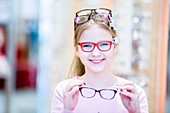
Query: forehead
point(95, 34)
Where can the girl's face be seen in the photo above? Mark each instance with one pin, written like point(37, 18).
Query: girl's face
point(96, 60)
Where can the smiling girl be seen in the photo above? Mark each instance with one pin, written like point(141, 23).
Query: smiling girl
point(92, 87)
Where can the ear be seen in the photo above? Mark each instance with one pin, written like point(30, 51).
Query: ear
point(115, 48)
point(115, 51)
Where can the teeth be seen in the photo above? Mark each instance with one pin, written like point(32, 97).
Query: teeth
point(96, 60)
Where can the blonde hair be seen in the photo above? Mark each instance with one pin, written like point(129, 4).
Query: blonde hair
point(77, 68)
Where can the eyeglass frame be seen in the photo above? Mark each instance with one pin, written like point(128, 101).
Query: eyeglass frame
point(96, 44)
point(110, 12)
point(91, 17)
point(111, 21)
point(99, 91)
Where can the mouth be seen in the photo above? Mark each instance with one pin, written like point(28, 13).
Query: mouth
point(96, 61)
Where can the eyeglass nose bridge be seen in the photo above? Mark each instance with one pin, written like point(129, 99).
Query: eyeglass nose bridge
point(93, 10)
point(99, 91)
point(91, 16)
point(96, 45)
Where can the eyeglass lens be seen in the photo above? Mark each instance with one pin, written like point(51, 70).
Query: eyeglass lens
point(107, 94)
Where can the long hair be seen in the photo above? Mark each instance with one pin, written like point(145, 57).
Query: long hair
point(77, 68)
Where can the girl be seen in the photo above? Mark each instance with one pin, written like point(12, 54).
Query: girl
point(93, 88)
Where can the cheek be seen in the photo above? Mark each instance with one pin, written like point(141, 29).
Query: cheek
point(113, 50)
point(83, 58)
point(110, 55)
point(82, 55)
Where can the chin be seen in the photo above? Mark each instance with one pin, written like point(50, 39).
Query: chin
point(97, 70)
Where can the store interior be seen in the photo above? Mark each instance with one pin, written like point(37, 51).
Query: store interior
point(36, 49)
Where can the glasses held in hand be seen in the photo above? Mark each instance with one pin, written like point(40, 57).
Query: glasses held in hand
point(106, 94)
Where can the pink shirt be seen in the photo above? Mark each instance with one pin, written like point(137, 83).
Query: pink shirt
point(95, 104)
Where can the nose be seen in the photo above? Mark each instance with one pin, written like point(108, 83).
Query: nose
point(96, 52)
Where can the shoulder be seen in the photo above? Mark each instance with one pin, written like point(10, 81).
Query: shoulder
point(120, 80)
point(64, 83)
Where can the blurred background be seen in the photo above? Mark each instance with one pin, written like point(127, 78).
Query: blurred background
point(36, 49)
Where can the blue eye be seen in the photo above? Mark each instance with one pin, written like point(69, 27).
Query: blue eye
point(104, 44)
point(87, 45)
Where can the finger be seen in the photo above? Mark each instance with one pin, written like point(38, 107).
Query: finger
point(129, 94)
point(74, 90)
point(126, 94)
point(129, 88)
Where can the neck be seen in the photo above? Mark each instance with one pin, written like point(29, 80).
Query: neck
point(98, 80)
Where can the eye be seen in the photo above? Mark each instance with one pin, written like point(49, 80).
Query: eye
point(87, 45)
point(104, 44)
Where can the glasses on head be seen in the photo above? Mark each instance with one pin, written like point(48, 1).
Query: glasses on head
point(85, 15)
point(107, 94)
point(102, 46)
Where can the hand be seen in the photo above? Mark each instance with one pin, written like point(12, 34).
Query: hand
point(71, 94)
point(130, 97)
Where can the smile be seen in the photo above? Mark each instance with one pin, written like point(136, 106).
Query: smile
point(96, 61)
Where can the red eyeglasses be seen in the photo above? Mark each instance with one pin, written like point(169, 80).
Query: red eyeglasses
point(102, 46)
